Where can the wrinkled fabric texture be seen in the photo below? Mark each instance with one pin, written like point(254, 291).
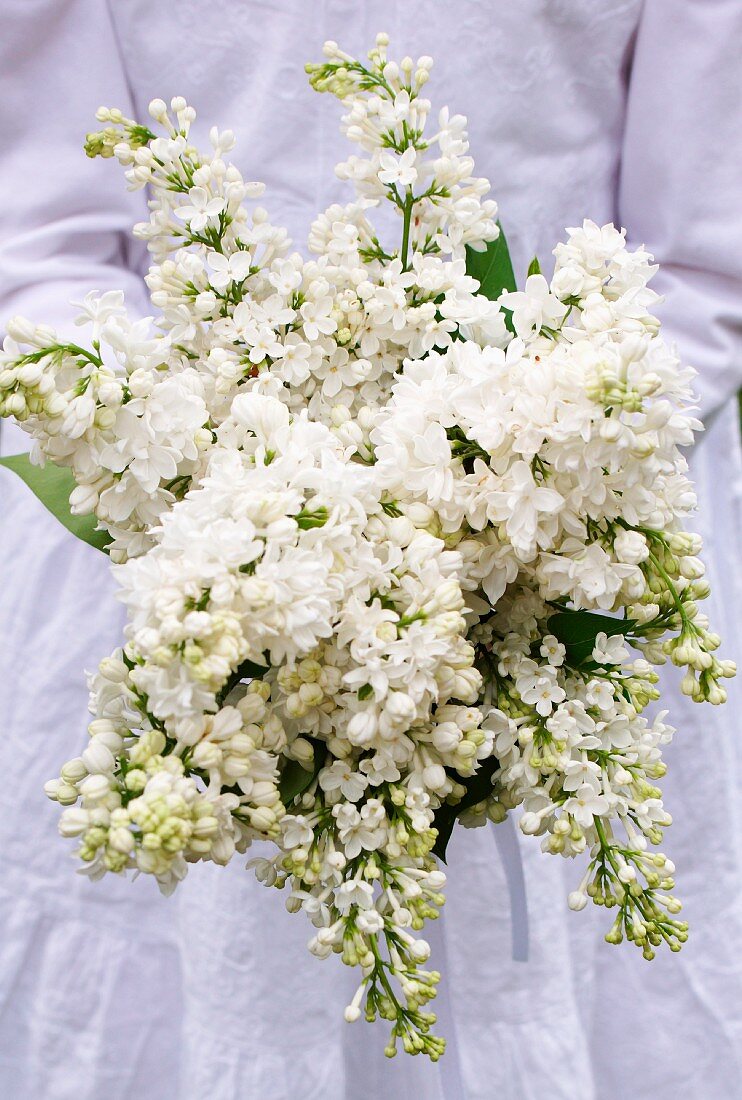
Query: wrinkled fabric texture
point(610, 109)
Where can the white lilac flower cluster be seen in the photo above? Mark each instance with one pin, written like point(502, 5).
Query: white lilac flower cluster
point(394, 546)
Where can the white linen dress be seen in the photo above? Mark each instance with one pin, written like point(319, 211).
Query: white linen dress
point(610, 109)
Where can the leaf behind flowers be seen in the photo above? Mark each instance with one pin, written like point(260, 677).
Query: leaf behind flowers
point(295, 778)
point(52, 485)
point(478, 787)
point(492, 267)
point(577, 631)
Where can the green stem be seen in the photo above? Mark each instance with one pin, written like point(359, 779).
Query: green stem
point(673, 592)
point(409, 202)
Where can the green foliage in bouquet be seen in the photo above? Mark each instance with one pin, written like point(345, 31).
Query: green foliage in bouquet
point(52, 485)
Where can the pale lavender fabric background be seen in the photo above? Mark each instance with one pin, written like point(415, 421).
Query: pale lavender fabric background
point(611, 109)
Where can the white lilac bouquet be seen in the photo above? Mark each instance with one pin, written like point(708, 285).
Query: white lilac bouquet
point(400, 544)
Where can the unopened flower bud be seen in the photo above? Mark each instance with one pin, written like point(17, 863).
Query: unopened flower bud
point(74, 822)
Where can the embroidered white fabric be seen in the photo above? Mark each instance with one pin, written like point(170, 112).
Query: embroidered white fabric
point(603, 108)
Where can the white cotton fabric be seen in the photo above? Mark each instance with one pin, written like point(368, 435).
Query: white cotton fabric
point(610, 109)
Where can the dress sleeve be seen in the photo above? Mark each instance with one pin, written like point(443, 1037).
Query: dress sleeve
point(680, 187)
point(65, 220)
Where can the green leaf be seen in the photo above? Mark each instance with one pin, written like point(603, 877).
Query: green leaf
point(577, 630)
point(248, 670)
point(492, 267)
point(478, 787)
point(295, 778)
point(53, 485)
point(534, 268)
point(307, 518)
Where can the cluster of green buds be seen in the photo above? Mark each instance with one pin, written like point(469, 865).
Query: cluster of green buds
point(379, 899)
point(309, 685)
point(343, 75)
point(209, 639)
point(60, 389)
point(675, 584)
point(637, 885)
point(610, 387)
point(28, 375)
point(170, 817)
point(395, 986)
point(150, 813)
point(638, 684)
point(119, 131)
